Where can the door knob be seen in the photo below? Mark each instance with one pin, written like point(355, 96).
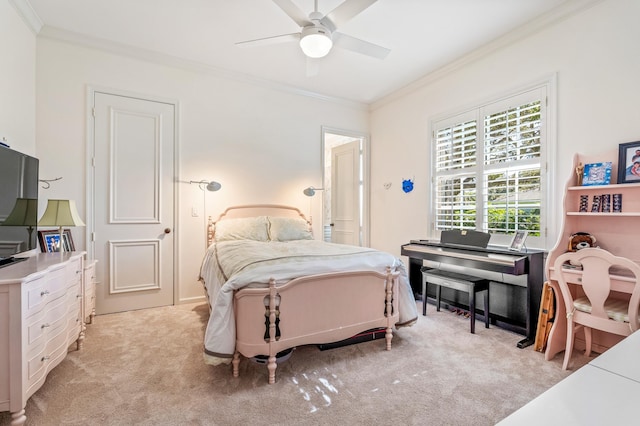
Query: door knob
point(167, 230)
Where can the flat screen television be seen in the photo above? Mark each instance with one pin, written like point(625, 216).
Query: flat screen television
point(18, 204)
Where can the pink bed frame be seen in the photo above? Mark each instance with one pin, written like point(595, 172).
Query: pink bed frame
point(315, 309)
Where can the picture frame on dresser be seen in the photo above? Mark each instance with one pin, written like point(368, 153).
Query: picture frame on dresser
point(629, 162)
point(50, 240)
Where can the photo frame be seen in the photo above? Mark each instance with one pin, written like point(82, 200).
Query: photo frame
point(597, 174)
point(518, 240)
point(629, 162)
point(50, 240)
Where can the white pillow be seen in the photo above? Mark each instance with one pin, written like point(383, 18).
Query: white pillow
point(288, 228)
point(249, 228)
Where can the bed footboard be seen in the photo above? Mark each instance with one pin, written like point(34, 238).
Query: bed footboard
point(313, 310)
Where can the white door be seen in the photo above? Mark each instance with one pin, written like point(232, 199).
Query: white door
point(133, 196)
point(345, 193)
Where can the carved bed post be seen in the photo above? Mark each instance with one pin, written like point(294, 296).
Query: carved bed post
point(271, 365)
point(210, 226)
point(389, 294)
point(235, 362)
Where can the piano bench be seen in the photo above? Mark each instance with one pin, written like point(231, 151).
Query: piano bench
point(460, 282)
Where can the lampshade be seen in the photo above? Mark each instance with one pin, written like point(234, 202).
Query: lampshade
point(315, 41)
point(311, 191)
point(24, 213)
point(61, 213)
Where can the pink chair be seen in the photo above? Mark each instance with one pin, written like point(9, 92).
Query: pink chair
point(596, 309)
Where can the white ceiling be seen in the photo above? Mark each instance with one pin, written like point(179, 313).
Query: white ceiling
point(423, 35)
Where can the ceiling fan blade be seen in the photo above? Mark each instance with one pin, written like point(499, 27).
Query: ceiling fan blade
point(360, 46)
point(313, 67)
point(347, 10)
point(294, 12)
point(270, 40)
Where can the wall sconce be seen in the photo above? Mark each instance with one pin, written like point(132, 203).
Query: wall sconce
point(208, 185)
point(311, 191)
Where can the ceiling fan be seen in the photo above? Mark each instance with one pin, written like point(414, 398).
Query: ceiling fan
point(318, 32)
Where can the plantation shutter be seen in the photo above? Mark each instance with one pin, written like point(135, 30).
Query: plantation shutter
point(487, 167)
point(456, 161)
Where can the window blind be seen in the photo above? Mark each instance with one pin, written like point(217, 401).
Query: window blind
point(488, 170)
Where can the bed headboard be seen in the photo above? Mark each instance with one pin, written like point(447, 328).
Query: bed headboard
point(253, 210)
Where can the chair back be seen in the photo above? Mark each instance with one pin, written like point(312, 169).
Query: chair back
point(596, 281)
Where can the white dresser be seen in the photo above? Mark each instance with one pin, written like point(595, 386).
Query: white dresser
point(41, 314)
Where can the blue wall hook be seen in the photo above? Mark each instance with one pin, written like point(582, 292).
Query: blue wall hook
point(407, 185)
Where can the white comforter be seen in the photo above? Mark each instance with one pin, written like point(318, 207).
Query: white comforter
point(231, 265)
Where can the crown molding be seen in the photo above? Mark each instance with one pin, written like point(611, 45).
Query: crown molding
point(26, 12)
point(560, 13)
point(122, 49)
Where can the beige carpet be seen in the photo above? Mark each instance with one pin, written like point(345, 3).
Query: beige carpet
point(145, 368)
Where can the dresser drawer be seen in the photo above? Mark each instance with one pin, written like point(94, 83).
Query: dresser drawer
point(74, 272)
point(46, 323)
point(43, 290)
point(74, 314)
point(74, 294)
point(42, 361)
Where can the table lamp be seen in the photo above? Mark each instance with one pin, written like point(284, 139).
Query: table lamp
point(24, 213)
point(61, 213)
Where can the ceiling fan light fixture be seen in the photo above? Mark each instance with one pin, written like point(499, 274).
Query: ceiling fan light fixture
point(315, 41)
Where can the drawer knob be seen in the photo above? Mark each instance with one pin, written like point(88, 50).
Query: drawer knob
point(45, 358)
point(44, 293)
point(45, 325)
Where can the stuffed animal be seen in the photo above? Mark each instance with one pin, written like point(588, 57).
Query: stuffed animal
point(581, 240)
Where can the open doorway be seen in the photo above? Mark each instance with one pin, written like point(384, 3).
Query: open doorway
point(345, 199)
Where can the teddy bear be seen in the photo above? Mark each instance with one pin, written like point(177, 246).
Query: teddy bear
point(581, 240)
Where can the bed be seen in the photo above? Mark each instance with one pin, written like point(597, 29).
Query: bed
point(272, 287)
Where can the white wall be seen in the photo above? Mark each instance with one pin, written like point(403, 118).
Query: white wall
point(17, 81)
point(594, 55)
point(262, 145)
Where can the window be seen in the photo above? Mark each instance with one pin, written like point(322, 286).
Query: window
point(488, 168)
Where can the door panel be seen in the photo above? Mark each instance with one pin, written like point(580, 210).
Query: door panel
point(134, 266)
point(134, 144)
point(345, 193)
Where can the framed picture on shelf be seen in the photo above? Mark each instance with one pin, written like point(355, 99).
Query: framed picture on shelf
point(629, 162)
point(50, 240)
point(597, 174)
point(518, 240)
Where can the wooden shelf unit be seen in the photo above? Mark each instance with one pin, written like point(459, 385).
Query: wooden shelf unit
point(616, 232)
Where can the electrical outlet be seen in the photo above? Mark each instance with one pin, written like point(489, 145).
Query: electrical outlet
point(194, 212)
